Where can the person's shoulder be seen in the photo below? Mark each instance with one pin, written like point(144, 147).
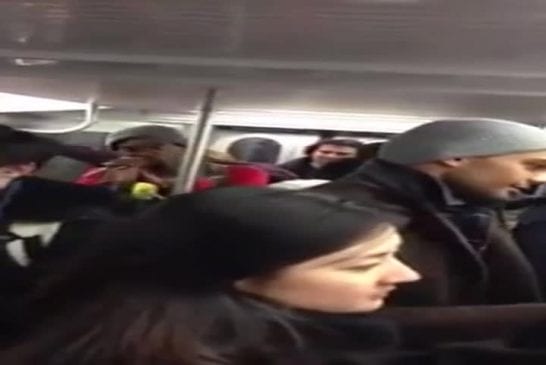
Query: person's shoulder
point(533, 214)
point(489, 353)
point(57, 199)
point(298, 162)
point(368, 196)
point(353, 190)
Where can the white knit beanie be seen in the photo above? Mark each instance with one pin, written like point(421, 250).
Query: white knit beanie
point(445, 139)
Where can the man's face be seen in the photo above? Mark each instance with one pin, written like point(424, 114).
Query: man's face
point(159, 154)
point(11, 172)
point(328, 153)
point(497, 178)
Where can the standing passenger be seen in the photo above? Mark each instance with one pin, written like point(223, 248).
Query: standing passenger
point(148, 153)
point(442, 182)
point(322, 153)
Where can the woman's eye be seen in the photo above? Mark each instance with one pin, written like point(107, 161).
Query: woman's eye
point(363, 267)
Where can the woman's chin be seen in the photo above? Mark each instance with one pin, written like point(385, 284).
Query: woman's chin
point(370, 305)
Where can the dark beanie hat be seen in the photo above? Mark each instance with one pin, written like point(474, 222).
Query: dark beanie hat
point(447, 139)
point(210, 239)
point(158, 133)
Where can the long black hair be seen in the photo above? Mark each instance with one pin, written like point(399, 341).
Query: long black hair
point(158, 289)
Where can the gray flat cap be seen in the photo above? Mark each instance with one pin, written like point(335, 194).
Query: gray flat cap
point(158, 133)
point(446, 139)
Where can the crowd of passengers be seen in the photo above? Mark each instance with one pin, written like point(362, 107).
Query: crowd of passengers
point(378, 254)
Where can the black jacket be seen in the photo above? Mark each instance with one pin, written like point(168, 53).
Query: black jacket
point(530, 234)
point(475, 278)
point(42, 221)
point(464, 253)
point(302, 168)
point(350, 339)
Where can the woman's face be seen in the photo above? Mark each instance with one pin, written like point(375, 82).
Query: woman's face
point(356, 279)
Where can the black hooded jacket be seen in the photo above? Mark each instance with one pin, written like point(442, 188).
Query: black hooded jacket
point(43, 220)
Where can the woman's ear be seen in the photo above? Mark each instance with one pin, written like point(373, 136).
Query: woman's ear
point(249, 286)
point(244, 285)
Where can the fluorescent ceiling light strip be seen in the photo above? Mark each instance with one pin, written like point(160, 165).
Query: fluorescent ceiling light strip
point(14, 103)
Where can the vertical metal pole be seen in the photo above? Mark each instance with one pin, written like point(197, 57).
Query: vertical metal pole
point(197, 147)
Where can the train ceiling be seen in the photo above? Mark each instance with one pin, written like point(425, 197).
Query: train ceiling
point(407, 57)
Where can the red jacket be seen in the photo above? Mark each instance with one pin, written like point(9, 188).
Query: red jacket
point(236, 175)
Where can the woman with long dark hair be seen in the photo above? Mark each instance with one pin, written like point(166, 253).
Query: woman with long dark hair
point(227, 276)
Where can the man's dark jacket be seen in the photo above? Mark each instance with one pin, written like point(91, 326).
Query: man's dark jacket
point(464, 253)
point(474, 276)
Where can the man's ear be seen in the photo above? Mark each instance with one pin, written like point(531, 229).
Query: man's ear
point(453, 162)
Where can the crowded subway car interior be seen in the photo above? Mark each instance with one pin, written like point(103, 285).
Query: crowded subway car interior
point(296, 182)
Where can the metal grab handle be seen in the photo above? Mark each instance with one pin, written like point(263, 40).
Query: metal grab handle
point(197, 147)
point(91, 117)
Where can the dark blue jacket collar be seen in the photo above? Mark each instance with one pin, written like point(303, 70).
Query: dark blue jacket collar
point(406, 182)
point(37, 199)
